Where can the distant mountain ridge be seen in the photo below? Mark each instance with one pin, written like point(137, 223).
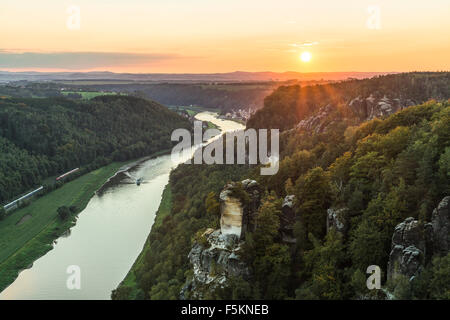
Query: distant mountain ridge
point(6, 76)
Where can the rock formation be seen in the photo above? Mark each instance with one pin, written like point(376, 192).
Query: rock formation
point(231, 212)
point(216, 257)
point(213, 263)
point(364, 109)
point(372, 107)
point(407, 249)
point(253, 192)
point(414, 243)
point(440, 223)
point(318, 122)
point(287, 220)
point(337, 219)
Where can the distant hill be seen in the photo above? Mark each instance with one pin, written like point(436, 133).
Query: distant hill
point(6, 76)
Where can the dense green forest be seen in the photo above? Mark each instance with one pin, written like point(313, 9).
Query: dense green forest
point(381, 171)
point(40, 138)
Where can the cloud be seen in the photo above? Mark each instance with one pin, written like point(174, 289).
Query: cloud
point(304, 44)
point(78, 60)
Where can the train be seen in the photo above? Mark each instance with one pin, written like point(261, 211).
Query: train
point(67, 173)
point(32, 193)
point(28, 195)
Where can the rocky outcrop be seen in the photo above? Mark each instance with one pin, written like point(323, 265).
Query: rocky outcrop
point(237, 215)
point(414, 243)
point(318, 122)
point(372, 107)
point(364, 109)
point(213, 263)
point(231, 212)
point(253, 192)
point(337, 219)
point(440, 223)
point(407, 250)
point(215, 257)
point(287, 220)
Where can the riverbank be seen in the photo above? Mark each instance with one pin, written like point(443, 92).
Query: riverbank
point(29, 233)
point(23, 243)
point(128, 289)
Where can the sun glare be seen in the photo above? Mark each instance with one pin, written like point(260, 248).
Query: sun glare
point(305, 56)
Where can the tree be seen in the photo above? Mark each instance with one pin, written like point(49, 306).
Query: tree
point(212, 207)
point(121, 293)
point(289, 186)
point(268, 223)
point(63, 212)
point(440, 281)
point(272, 271)
point(2, 213)
point(315, 193)
point(324, 264)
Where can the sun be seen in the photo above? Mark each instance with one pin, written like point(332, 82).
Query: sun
point(305, 56)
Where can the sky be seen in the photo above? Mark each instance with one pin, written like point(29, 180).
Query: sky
point(208, 36)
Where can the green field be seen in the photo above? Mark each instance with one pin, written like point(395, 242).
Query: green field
point(22, 243)
point(128, 285)
point(89, 94)
point(193, 110)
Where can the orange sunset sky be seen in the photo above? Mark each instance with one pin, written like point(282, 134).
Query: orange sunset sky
point(199, 36)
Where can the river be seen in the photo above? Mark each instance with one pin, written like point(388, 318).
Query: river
point(109, 234)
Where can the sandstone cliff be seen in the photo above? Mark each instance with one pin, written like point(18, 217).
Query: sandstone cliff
point(215, 258)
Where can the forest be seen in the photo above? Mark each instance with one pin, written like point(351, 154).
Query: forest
point(42, 138)
point(210, 95)
point(288, 105)
point(380, 171)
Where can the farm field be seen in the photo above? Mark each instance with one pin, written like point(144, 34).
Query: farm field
point(86, 95)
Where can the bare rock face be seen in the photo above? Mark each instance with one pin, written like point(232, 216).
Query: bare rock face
point(441, 227)
point(231, 212)
point(213, 263)
point(318, 122)
point(365, 108)
point(287, 220)
point(336, 219)
point(408, 249)
point(372, 107)
point(237, 217)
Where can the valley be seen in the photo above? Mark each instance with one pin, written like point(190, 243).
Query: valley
point(116, 222)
